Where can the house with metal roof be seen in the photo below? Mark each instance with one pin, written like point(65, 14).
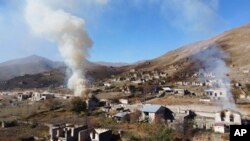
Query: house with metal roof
point(150, 113)
point(122, 117)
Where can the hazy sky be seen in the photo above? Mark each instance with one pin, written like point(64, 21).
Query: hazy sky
point(125, 30)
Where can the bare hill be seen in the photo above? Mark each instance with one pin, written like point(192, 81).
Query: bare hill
point(55, 77)
point(28, 65)
point(235, 42)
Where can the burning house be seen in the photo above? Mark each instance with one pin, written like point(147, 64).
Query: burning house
point(225, 118)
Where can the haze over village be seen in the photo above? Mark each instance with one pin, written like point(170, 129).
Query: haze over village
point(139, 70)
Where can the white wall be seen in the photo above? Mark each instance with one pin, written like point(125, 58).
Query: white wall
point(219, 129)
point(237, 117)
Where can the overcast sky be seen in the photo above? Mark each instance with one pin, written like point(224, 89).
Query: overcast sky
point(125, 30)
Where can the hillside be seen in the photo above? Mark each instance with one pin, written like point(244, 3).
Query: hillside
point(28, 65)
point(55, 77)
point(235, 43)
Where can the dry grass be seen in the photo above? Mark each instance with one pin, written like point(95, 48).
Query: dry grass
point(111, 95)
point(21, 111)
point(175, 100)
point(23, 130)
point(56, 116)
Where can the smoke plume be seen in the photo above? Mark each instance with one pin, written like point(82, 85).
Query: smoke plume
point(67, 31)
point(212, 60)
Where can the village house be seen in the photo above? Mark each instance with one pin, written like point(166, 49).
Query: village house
point(107, 84)
point(101, 135)
point(41, 96)
point(24, 96)
point(156, 76)
point(167, 89)
point(197, 84)
point(124, 101)
point(216, 94)
point(122, 117)
point(182, 83)
point(179, 116)
point(6, 124)
point(225, 118)
point(179, 91)
point(151, 113)
point(243, 99)
point(209, 75)
point(69, 132)
point(163, 75)
point(204, 120)
point(209, 83)
point(200, 119)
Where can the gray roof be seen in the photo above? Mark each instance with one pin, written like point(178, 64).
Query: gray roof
point(123, 114)
point(150, 108)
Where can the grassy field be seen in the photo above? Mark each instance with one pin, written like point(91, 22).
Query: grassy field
point(23, 131)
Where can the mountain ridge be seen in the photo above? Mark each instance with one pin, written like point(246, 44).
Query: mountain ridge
point(28, 65)
point(235, 42)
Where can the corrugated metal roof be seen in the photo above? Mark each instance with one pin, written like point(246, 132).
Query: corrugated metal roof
point(123, 114)
point(150, 108)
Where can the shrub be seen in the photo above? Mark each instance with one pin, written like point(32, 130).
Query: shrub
point(131, 136)
point(53, 104)
point(78, 105)
point(163, 134)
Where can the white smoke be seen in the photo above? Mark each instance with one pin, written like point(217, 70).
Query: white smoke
point(67, 31)
point(212, 60)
